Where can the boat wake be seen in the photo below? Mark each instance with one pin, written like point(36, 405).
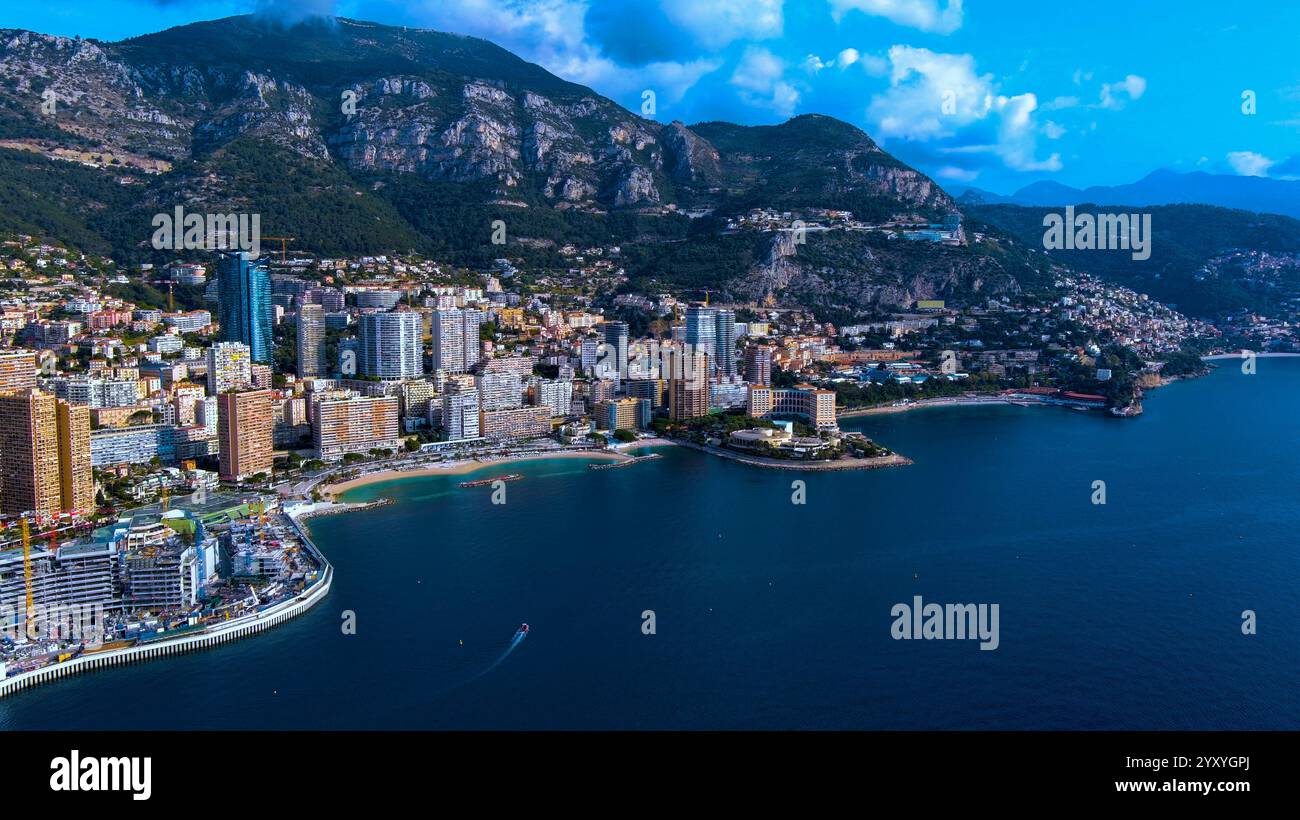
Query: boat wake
point(518, 638)
point(520, 634)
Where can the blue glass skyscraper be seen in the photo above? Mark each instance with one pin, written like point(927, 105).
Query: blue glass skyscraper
point(245, 312)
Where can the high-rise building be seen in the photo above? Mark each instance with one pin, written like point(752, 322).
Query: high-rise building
point(355, 424)
point(615, 359)
point(724, 342)
point(245, 424)
point(456, 346)
point(391, 345)
point(246, 313)
point(758, 365)
point(701, 329)
point(230, 367)
point(556, 394)
point(688, 388)
point(460, 411)
point(499, 391)
point(76, 478)
point(45, 464)
point(589, 351)
point(311, 341)
point(17, 371)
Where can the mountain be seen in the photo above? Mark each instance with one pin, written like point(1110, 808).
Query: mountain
point(1162, 187)
point(367, 99)
point(356, 137)
point(1206, 260)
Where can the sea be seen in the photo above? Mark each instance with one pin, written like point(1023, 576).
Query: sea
point(692, 592)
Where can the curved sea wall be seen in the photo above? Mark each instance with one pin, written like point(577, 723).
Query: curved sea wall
point(229, 631)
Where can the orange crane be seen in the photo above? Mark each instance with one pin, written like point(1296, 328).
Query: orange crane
point(284, 241)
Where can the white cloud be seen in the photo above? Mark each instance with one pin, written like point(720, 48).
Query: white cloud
point(872, 64)
point(1059, 103)
point(933, 96)
point(719, 22)
point(552, 33)
point(926, 15)
point(813, 64)
point(1250, 164)
point(959, 174)
point(1053, 131)
point(760, 78)
point(1116, 95)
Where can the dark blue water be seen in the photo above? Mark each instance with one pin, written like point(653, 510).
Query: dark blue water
point(1126, 615)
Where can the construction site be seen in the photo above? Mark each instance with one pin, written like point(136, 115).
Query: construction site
point(162, 572)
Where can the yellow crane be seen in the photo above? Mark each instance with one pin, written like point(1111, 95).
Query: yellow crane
point(27, 573)
point(284, 241)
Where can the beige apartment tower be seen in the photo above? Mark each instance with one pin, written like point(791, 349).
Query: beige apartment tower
point(44, 455)
point(17, 371)
point(245, 422)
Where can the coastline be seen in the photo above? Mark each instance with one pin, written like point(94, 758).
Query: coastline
point(921, 405)
point(336, 489)
point(1222, 356)
point(244, 626)
point(839, 465)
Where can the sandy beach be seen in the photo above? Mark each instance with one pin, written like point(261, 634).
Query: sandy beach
point(471, 465)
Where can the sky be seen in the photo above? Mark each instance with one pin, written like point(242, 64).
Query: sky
point(993, 94)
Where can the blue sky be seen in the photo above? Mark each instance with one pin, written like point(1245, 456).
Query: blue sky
point(990, 93)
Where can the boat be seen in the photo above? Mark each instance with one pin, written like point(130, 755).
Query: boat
point(484, 482)
point(523, 629)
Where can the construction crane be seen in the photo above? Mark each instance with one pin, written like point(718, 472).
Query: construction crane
point(27, 574)
point(284, 241)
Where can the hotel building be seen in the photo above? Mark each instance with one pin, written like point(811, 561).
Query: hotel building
point(815, 405)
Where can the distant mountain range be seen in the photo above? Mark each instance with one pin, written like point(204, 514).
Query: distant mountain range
point(1163, 187)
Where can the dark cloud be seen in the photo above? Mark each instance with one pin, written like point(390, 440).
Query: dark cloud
point(636, 32)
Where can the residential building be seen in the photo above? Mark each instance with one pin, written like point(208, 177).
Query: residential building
point(354, 424)
point(391, 345)
point(517, 423)
point(460, 411)
point(45, 460)
point(311, 341)
point(244, 298)
point(244, 433)
point(230, 367)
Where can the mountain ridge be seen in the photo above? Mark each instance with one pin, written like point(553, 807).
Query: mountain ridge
point(1160, 187)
